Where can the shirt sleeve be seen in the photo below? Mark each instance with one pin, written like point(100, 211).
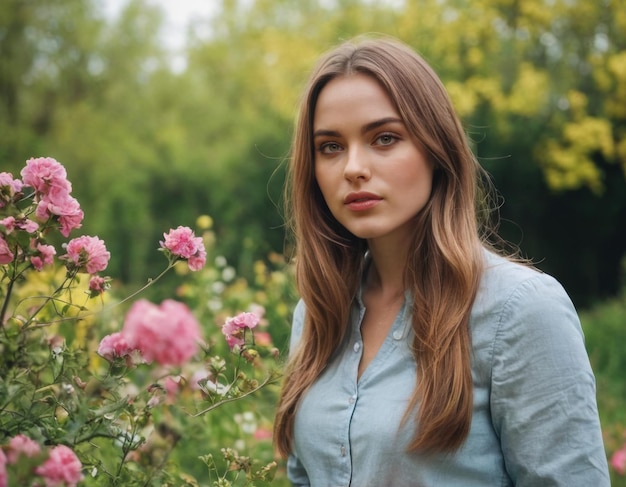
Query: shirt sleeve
point(543, 396)
point(296, 472)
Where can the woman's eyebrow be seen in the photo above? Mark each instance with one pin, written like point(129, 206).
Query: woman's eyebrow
point(325, 133)
point(378, 123)
point(366, 128)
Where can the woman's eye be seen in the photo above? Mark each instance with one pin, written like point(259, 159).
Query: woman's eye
point(329, 148)
point(385, 139)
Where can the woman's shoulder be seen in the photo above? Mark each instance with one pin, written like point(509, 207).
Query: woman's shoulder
point(503, 277)
point(509, 288)
point(514, 293)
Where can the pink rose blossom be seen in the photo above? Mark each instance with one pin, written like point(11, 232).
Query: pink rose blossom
point(234, 328)
point(59, 203)
point(45, 256)
point(98, 285)
point(52, 193)
point(114, 346)
point(168, 333)
point(8, 188)
point(27, 225)
point(87, 253)
point(7, 181)
point(8, 223)
point(70, 221)
point(182, 243)
point(618, 460)
point(4, 480)
point(43, 173)
point(22, 445)
point(6, 256)
point(61, 468)
point(197, 261)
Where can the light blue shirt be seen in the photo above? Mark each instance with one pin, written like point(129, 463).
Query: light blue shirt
point(534, 422)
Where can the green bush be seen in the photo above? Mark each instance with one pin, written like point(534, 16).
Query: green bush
point(605, 333)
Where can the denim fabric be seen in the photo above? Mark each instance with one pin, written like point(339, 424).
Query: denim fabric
point(534, 422)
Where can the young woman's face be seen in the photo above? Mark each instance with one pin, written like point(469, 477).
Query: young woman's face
point(372, 174)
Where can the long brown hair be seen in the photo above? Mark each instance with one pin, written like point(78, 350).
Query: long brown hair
point(444, 263)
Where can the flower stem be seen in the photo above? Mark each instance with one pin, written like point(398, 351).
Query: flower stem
point(5, 305)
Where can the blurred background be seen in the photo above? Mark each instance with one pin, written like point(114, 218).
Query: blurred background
point(163, 111)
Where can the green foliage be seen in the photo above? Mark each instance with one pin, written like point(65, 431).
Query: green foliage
point(605, 336)
point(73, 381)
point(138, 426)
point(542, 92)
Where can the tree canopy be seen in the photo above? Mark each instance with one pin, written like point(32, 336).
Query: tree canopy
point(539, 84)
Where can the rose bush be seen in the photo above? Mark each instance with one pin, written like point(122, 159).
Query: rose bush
point(85, 400)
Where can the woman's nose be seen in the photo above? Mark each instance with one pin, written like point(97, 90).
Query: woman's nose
point(357, 165)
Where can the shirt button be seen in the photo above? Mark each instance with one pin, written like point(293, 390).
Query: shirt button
point(397, 335)
point(343, 451)
point(357, 347)
point(351, 400)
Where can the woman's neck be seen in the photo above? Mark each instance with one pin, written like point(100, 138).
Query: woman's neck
point(386, 272)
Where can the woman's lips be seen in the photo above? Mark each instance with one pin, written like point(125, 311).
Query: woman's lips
point(361, 201)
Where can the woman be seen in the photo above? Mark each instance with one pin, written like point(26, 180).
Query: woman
point(419, 357)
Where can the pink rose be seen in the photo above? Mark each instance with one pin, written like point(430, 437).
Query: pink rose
point(114, 346)
point(87, 253)
point(182, 243)
point(45, 256)
point(8, 188)
point(197, 261)
point(6, 256)
point(97, 285)
point(43, 173)
point(61, 468)
point(8, 223)
point(58, 202)
point(618, 460)
point(7, 181)
point(234, 328)
point(27, 225)
point(168, 333)
point(22, 445)
point(70, 221)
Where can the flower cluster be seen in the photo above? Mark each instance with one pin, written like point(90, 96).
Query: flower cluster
point(181, 243)
point(45, 194)
point(88, 254)
point(52, 193)
point(93, 415)
point(168, 334)
point(58, 467)
point(234, 328)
